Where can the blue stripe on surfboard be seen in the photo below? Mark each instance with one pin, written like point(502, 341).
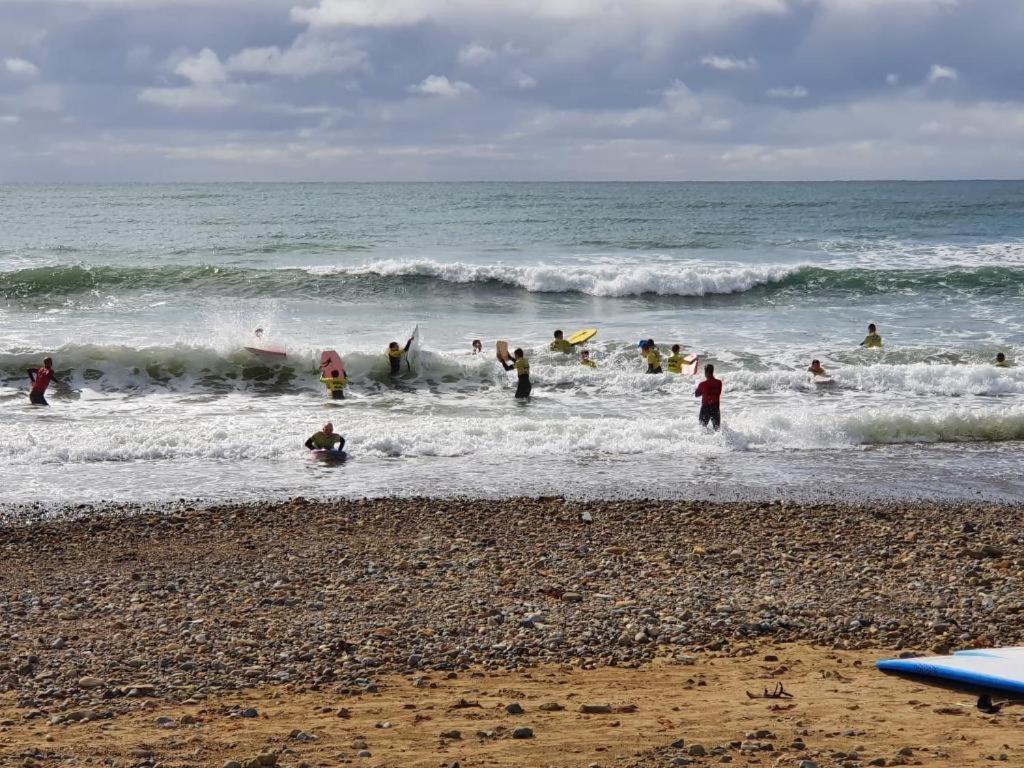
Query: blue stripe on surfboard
point(973, 669)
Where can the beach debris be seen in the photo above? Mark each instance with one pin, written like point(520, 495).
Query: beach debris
point(779, 692)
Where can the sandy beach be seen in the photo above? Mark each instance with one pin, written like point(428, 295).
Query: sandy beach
point(412, 633)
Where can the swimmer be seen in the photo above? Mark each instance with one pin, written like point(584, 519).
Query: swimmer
point(872, 340)
point(326, 439)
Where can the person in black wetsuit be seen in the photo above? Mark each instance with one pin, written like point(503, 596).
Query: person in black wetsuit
point(522, 366)
point(395, 354)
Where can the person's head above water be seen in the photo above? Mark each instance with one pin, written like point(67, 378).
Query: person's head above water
point(259, 333)
point(709, 371)
point(871, 328)
point(675, 348)
point(477, 345)
point(48, 362)
point(1000, 358)
point(558, 334)
point(585, 354)
point(518, 353)
point(815, 363)
point(393, 345)
point(328, 428)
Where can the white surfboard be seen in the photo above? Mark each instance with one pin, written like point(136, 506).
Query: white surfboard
point(412, 356)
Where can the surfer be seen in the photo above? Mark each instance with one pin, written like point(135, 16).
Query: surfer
point(335, 383)
point(561, 344)
point(675, 361)
point(40, 378)
point(585, 359)
point(478, 346)
point(872, 340)
point(653, 357)
point(522, 366)
point(1001, 361)
point(395, 355)
point(710, 393)
point(325, 439)
point(258, 333)
point(816, 368)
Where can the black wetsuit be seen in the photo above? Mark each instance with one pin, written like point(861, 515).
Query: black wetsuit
point(523, 387)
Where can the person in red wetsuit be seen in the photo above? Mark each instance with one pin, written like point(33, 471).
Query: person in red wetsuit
point(40, 378)
point(710, 393)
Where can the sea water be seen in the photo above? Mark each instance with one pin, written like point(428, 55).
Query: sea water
point(146, 295)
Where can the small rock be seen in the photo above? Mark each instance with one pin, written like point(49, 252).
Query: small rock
point(551, 706)
point(166, 722)
point(596, 709)
point(522, 733)
point(89, 682)
point(514, 708)
point(452, 734)
point(697, 750)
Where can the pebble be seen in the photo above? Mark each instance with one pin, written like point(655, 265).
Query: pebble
point(514, 708)
point(522, 733)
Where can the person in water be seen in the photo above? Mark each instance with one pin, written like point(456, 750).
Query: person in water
point(395, 353)
point(335, 383)
point(653, 357)
point(561, 344)
point(816, 368)
point(40, 378)
point(326, 439)
point(675, 361)
point(1001, 361)
point(710, 393)
point(585, 359)
point(522, 366)
point(872, 340)
point(478, 346)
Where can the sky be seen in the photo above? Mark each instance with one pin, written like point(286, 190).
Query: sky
point(289, 90)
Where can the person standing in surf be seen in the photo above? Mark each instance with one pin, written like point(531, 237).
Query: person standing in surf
point(335, 383)
point(326, 439)
point(40, 378)
point(395, 355)
point(561, 344)
point(522, 367)
point(653, 357)
point(872, 340)
point(710, 393)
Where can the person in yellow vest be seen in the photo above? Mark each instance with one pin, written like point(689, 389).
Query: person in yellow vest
point(872, 340)
point(522, 366)
point(1001, 361)
point(335, 383)
point(395, 353)
point(326, 439)
point(560, 344)
point(653, 357)
point(585, 359)
point(675, 361)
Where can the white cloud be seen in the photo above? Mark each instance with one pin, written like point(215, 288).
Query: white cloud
point(729, 64)
point(303, 59)
point(793, 92)
point(202, 69)
point(18, 66)
point(439, 85)
point(9, 119)
point(191, 97)
point(892, 79)
point(522, 81)
point(939, 72)
point(475, 54)
point(389, 13)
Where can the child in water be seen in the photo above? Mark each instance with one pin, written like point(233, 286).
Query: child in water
point(1001, 361)
point(395, 355)
point(816, 368)
point(335, 383)
point(326, 438)
point(522, 366)
point(653, 357)
point(675, 360)
point(585, 359)
point(872, 340)
point(561, 344)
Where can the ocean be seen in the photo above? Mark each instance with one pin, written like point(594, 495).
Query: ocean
point(146, 295)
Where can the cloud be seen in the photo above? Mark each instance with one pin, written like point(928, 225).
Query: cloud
point(522, 81)
point(19, 66)
point(892, 79)
point(939, 72)
point(304, 58)
point(9, 119)
point(792, 92)
point(475, 54)
point(729, 64)
point(439, 85)
point(196, 97)
point(202, 69)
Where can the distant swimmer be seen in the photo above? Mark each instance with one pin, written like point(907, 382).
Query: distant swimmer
point(653, 357)
point(872, 340)
point(395, 355)
point(326, 439)
point(1001, 361)
point(335, 383)
point(522, 366)
point(561, 344)
point(478, 346)
point(675, 361)
point(585, 359)
point(40, 378)
point(816, 368)
point(710, 393)
point(258, 333)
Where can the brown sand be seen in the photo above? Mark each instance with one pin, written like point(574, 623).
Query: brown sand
point(840, 705)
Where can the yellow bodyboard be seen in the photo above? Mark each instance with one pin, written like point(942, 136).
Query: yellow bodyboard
point(582, 336)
